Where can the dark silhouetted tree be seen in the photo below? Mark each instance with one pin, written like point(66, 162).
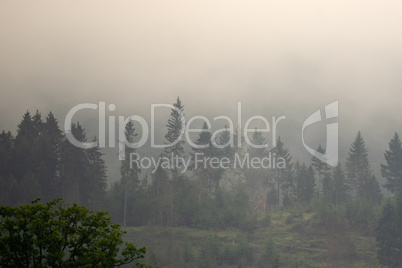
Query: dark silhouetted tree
point(321, 168)
point(282, 174)
point(175, 134)
point(387, 236)
point(129, 170)
point(361, 180)
point(392, 170)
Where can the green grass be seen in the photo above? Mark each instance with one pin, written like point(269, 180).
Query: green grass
point(297, 239)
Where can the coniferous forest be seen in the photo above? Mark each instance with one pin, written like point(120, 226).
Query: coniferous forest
point(201, 134)
point(305, 214)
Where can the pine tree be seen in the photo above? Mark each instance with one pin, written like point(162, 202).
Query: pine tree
point(159, 193)
point(257, 178)
point(54, 140)
point(371, 189)
point(340, 188)
point(24, 147)
point(392, 170)
point(321, 168)
point(309, 185)
point(230, 175)
point(27, 157)
point(129, 171)
point(304, 183)
point(6, 154)
point(10, 194)
point(73, 166)
point(225, 139)
point(208, 177)
point(96, 184)
point(282, 175)
point(387, 236)
point(257, 140)
point(38, 123)
point(47, 152)
point(398, 224)
point(8, 184)
point(174, 135)
point(328, 189)
point(361, 180)
point(175, 131)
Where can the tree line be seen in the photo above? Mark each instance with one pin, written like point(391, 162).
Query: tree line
point(39, 161)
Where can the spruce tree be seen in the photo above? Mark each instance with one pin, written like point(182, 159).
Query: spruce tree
point(321, 168)
point(47, 151)
point(159, 192)
point(38, 123)
point(174, 134)
point(398, 224)
point(129, 171)
point(96, 184)
point(282, 174)
point(386, 237)
point(257, 178)
point(73, 166)
point(340, 188)
point(304, 183)
point(224, 139)
point(392, 170)
point(361, 180)
point(6, 154)
point(24, 147)
point(54, 139)
point(208, 177)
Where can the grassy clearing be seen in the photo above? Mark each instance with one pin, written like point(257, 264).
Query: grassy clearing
point(297, 238)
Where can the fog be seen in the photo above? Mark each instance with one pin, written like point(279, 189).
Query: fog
point(278, 58)
point(274, 58)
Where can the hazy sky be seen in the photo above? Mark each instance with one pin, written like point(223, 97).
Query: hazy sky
point(277, 57)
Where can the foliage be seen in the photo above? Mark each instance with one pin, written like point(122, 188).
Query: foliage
point(213, 254)
point(269, 257)
point(57, 235)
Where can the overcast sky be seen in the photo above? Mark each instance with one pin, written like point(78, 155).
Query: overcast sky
point(276, 57)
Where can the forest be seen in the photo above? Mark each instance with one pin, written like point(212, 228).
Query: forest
point(302, 214)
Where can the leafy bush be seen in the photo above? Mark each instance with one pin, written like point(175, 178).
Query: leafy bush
point(57, 235)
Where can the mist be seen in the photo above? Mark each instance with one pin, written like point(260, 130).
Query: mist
point(283, 58)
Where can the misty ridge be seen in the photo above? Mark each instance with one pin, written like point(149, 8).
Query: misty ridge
point(186, 150)
point(204, 191)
